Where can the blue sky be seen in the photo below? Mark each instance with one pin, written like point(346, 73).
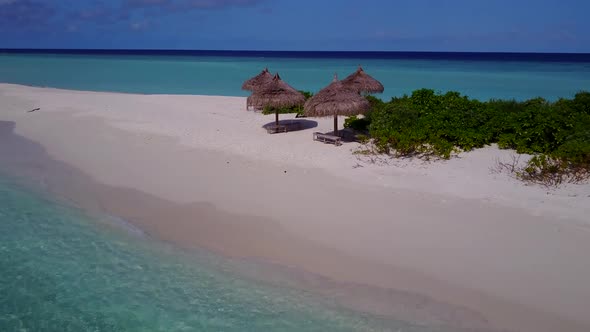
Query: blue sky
point(369, 25)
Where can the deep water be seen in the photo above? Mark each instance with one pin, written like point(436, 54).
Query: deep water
point(63, 270)
point(483, 76)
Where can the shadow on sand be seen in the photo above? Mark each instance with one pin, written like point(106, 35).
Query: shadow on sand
point(348, 135)
point(293, 124)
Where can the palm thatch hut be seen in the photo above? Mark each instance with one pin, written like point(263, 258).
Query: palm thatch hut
point(257, 81)
point(336, 99)
point(277, 94)
point(362, 82)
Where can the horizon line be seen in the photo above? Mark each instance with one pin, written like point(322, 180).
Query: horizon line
point(283, 51)
point(300, 54)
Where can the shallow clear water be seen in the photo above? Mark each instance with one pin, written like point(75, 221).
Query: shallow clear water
point(223, 75)
point(62, 270)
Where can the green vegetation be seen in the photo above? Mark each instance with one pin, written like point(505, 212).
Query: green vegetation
point(431, 124)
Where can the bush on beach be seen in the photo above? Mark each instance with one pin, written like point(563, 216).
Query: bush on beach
point(426, 123)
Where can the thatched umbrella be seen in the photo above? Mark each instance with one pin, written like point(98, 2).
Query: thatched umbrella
point(276, 94)
point(336, 99)
point(362, 82)
point(257, 81)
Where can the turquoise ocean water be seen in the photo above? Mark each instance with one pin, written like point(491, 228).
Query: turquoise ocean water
point(62, 270)
point(223, 75)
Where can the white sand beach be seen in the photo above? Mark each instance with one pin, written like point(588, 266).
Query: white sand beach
point(452, 230)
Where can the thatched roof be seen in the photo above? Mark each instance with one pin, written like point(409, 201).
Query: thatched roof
point(362, 82)
point(336, 99)
point(258, 81)
point(276, 94)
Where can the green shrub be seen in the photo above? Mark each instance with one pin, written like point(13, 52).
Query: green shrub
point(356, 123)
point(428, 123)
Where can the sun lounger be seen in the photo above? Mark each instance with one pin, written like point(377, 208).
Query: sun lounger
point(327, 138)
point(284, 127)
